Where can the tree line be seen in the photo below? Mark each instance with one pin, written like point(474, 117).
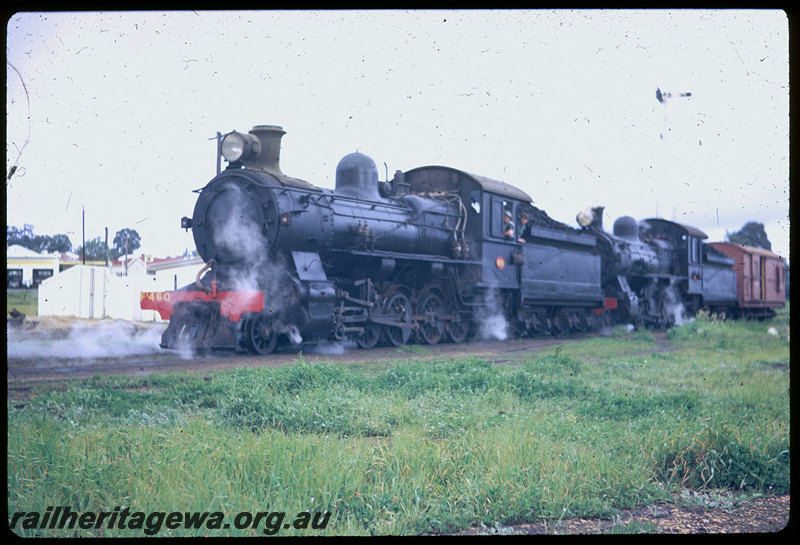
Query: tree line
point(125, 242)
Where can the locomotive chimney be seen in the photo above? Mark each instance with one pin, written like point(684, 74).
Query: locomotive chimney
point(597, 220)
point(591, 218)
point(270, 138)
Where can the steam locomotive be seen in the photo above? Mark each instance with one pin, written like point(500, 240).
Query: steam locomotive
point(427, 256)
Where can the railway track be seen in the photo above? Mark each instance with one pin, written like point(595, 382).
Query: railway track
point(27, 369)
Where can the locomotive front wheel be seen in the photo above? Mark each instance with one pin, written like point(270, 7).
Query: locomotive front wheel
point(261, 338)
point(430, 328)
point(369, 337)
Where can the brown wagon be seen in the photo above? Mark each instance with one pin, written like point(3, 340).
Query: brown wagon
point(760, 278)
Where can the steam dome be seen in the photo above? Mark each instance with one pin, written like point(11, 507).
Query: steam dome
point(626, 227)
point(357, 176)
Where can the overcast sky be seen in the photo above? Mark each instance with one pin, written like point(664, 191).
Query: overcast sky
point(121, 109)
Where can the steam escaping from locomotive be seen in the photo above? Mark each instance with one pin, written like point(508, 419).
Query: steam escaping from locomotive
point(77, 340)
point(673, 305)
point(495, 325)
point(237, 237)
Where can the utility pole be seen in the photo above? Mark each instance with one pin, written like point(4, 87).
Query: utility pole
point(219, 152)
point(83, 233)
point(662, 97)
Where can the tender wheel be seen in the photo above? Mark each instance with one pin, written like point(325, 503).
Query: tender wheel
point(560, 322)
point(580, 323)
point(260, 337)
point(370, 336)
point(397, 305)
point(430, 327)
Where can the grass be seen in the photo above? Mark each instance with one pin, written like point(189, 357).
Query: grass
point(24, 300)
point(581, 429)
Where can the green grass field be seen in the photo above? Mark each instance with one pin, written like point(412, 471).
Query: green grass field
point(419, 446)
point(25, 301)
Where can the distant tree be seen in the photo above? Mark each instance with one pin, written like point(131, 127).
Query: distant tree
point(37, 243)
point(15, 235)
point(126, 241)
point(752, 234)
point(56, 243)
point(95, 250)
point(62, 243)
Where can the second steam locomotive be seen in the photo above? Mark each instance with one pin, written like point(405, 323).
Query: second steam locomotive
point(431, 255)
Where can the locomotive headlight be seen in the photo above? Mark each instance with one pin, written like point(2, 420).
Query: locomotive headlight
point(239, 147)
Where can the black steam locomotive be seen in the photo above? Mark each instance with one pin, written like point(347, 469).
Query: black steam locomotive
point(431, 255)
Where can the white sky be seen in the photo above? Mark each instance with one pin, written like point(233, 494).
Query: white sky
point(122, 109)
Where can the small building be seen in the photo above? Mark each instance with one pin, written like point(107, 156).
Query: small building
point(134, 266)
point(27, 269)
point(172, 273)
point(69, 259)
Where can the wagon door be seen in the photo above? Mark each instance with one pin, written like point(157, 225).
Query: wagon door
point(758, 284)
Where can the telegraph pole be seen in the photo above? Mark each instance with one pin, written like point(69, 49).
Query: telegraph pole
point(662, 97)
point(83, 233)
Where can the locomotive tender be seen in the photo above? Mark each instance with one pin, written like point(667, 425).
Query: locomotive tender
point(420, 257)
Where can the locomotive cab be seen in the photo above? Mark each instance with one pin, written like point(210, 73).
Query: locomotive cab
point(685, 243)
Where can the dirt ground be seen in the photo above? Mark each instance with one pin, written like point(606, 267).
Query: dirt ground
point(755, 516)
point(766, 514)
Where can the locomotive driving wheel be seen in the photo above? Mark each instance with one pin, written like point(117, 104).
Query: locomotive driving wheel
point(456, 329)
point(430, 328)
point(260, 337)
point(398, 305)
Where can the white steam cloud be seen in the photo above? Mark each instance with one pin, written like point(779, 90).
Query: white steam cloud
point(105, 339)
point(239, 234)
point(673, 305)
point(494, 326)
